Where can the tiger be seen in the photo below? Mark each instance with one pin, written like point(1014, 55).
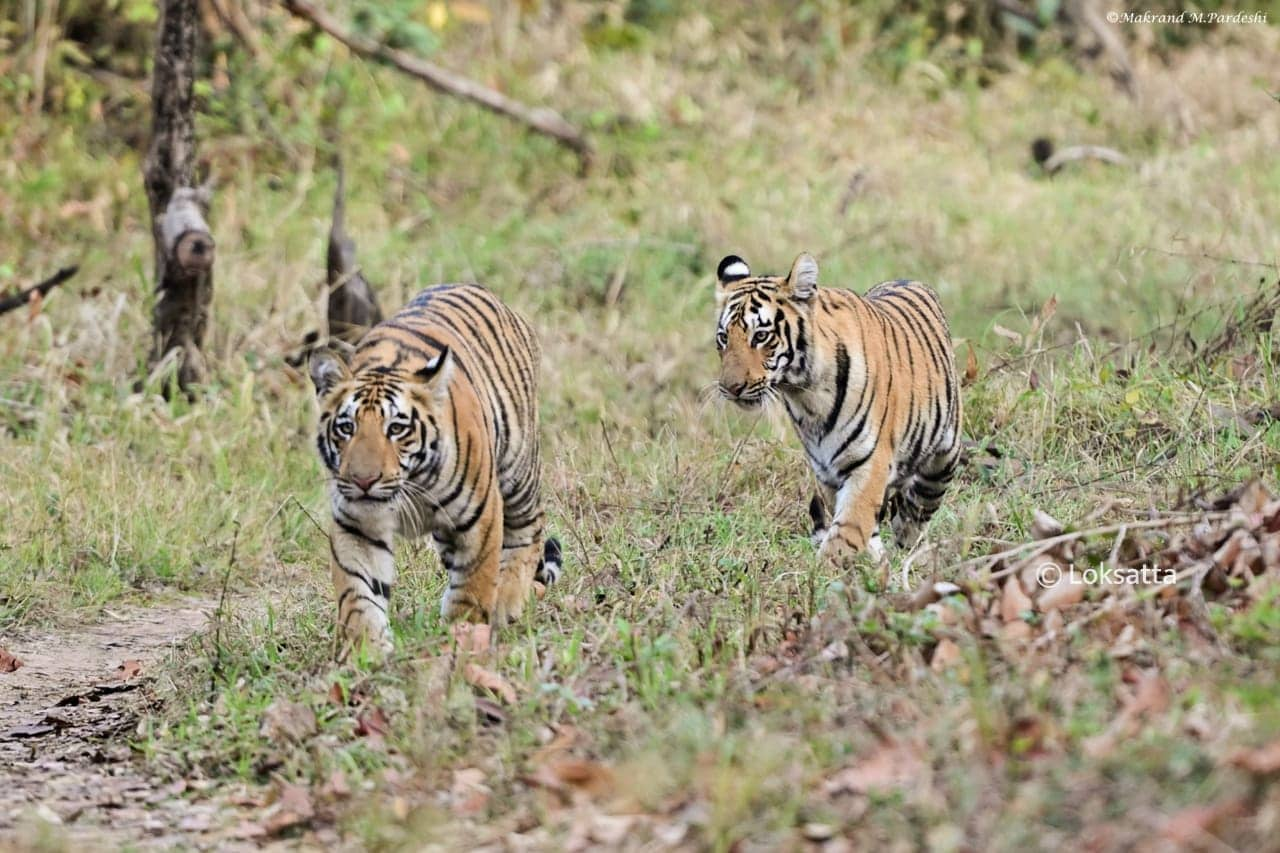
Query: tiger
point(433, 429)
point(868, 382)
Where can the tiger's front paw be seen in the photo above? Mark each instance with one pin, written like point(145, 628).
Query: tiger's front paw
point(842, 552)
point(375, 640)
point(458, 605)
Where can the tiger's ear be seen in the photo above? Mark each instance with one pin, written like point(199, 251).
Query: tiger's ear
point(732, 268)
point(437, 371)
point(327, 370)
point(803, 280)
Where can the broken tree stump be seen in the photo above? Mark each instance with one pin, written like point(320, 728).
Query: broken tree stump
point(352, 307)
point(184, 246)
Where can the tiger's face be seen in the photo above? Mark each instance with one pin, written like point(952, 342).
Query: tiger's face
point(761, 332)
point(380, 430)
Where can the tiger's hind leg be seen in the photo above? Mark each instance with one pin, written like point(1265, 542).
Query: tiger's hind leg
point(552, 563)
point(473, 559)
point(525, 552)
point(521, 556)
point(920, 497)
point(819, 516)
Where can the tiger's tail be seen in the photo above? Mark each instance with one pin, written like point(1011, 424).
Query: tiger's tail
point(551, 563)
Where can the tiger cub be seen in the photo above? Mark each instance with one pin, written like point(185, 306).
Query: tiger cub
point(869, 383)
point(433, 428)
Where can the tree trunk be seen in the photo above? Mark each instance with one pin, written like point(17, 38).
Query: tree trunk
point(184, 248)
point(352, 307)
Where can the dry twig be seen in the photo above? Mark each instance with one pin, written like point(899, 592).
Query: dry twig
point(10, 303)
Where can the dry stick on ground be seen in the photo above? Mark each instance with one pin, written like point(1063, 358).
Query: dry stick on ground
point(21, 298)
point(352, 307)
point(184, 247)
point(1073, 153)
point(1039, 546)
point(541, 119)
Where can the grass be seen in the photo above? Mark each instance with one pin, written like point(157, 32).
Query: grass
point(688, 571)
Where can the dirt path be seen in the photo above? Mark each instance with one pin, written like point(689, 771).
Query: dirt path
point(66, 715)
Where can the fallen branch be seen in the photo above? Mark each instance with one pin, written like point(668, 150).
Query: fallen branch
point(541, 119)
point(10, 303)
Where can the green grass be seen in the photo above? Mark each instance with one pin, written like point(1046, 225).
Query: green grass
point(684, 523)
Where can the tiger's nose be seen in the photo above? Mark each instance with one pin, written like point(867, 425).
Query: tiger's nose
point(735, 389)
point(365, 483)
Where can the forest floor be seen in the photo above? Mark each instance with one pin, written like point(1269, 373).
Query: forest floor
point(697, 680)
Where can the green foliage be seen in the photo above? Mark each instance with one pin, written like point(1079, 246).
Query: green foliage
point(397, 24)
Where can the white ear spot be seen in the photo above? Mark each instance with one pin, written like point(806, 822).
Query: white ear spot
point(737, 268)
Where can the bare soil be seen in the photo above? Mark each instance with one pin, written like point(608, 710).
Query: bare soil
point(66, 718)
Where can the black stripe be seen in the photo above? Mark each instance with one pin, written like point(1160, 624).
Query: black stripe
point(842, 380)
point(360, 534)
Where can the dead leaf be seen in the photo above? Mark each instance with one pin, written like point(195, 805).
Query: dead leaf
point(372, 722)
point(471, 637)
point(293, 808)
point(8, 663)
point(818, 832)
point(469, 793)
point(1008, 334)
point(945, 654)
point(611, 830)
point(1064, 593)
point(338, 695)
point(1016, 631)
point(563, 737)
point(478, 676)
point(1047, 310)
point(128, 670)
point(287, 722)
point(1045, 526)
point(336, 787)
point(574, 776)
point(1193, 825)
point(892, 765)
point(1262, 761)
point(1033, 380)
point(1013, 601)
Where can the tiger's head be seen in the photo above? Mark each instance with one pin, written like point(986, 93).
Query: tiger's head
point(763, 332)
point(380, 428)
